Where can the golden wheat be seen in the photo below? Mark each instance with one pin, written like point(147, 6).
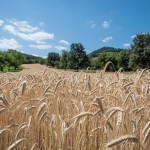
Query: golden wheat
point(55, 109)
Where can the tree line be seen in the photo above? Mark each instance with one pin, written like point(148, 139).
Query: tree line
point(76, 58)
point(138, 57)
point(10, 58)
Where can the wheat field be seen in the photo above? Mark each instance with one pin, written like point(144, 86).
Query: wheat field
point(58, 110)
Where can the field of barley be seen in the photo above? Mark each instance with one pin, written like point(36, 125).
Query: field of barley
point(60, 110)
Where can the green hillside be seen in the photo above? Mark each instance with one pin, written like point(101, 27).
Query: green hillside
point(96, 53)
point(30, 59)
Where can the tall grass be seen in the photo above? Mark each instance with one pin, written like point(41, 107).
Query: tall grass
point(55, 110)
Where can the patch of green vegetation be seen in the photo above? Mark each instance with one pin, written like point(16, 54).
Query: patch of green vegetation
point(12, 69)
point(30, 59)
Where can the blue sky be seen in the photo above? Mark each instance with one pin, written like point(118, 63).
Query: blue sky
point(41, 26)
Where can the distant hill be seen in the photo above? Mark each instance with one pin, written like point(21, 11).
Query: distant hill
point(30, 59)
point(103, 49)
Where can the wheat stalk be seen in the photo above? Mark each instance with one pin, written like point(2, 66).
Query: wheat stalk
point(41, 107)
point(147, 134)
point(82, 114)
point(146, 127)
point(99, 101)
point(20, 130)
point(57, 84)
point(3, 109)
point(32, 148)
point(124, 138)
point(15, 144)
point(3, 130)
point(23, 86)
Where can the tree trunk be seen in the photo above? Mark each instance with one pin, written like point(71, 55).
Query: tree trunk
point(1, 68)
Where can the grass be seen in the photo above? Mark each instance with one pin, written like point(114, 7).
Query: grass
point(12, 69)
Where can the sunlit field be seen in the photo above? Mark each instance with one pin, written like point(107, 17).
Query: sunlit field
point(58, 110)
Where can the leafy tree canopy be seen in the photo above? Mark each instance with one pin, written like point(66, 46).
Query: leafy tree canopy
point(52, 58)
point(78, 57)
point(141, 51)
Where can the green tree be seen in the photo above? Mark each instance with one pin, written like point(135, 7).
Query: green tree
point(112, 56)
point(52, 59)
point(64, 59)
point(2, 61)
point(77, 56)
point(14, 58)
point(100, 62)
point(123, 59)
point(42, 61)
point(9, 58)
point(103, 58)
point(141, 51)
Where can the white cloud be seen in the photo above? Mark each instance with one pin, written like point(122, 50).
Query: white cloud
point(45, 57)
point(41, 24)
point(133, 36)
point(35, 55)
point(46, 46)
point(9, 44)
point(90, 22)
point(93, 25)
point(1, 22)
point(106, 24)
point(37, 36)
point(41, 42)
point(60, 47)
point(10, 29)
point(23, 26)
point(24, 31)
point(64, 42)
point(41, 46)
point(127, 45)
point(107, 39)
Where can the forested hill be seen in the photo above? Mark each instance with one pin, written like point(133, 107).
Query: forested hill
point(29, 59)
point(104, 49)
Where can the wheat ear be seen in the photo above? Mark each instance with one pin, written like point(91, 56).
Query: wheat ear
point(146, 135)
point(99, 101)
point(125, 138)
point(15, 144)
